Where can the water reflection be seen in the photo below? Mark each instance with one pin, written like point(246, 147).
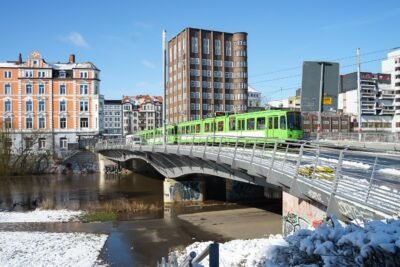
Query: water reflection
point(77, 191)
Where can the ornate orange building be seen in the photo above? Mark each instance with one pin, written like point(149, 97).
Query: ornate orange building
point(53, 104)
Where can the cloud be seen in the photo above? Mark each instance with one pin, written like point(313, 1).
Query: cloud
point(76, 39)
point(148, 64)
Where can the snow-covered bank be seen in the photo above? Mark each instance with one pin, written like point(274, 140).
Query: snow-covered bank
point(331, 244)
point(50, 249)
point(39, 215)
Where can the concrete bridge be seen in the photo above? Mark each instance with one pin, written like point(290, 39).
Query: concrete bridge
point(350, 184)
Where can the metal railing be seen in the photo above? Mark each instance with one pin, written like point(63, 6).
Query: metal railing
point(365, 137)
point(366, 178)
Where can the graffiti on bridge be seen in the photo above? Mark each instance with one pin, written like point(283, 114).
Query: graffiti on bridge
point(188, 191)
point(292, 222)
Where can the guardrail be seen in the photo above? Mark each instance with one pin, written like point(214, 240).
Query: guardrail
point(212, 251)
point(369, 179)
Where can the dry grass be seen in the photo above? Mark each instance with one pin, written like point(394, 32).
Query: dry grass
point(47, 205)
point(124, 206)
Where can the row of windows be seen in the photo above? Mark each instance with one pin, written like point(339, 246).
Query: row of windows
point(217, 63)
point(83, 89)
point(206, 46)
point(218, 74)
point(111, 125)
point(111, 119)
point(83, 105)
point(84, 123)
point(116, 113)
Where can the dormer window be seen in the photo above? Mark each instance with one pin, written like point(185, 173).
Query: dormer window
point(34, 62)
point(84, 74)
point(62, 74)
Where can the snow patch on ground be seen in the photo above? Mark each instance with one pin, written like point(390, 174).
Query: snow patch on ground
point(390, 171)
point(331, 244)
point(39, 215)
point(50, 249)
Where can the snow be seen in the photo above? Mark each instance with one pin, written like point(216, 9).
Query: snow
point(50, 249)
point(39, 215)
point(331, 244)
point(391, 171)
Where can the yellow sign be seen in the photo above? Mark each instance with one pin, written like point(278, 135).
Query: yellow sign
point(327, 101)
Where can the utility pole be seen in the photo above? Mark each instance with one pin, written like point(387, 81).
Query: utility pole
point(359, 94)
point(164, 65)
point(321, 84)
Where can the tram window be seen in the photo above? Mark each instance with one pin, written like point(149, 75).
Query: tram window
point(283, 123)
point(187, 130)
point(212, 126)
point(192, 129)
point(197, 128)
point(232, 124)
point(206, 127)
point(182, 130)
point(276, 123)
point(250, 124)
point(269, 123)
point(260, 123)
point(220, 126)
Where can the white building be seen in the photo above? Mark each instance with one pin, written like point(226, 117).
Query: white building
point(376, 98)
point(253, 98)
point(142, 112)
point(112, 119)
point(392, 65)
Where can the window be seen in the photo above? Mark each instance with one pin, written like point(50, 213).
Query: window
point(7, 105)
point(217, 47)
point(41, 74)
point(276, 123)
point(7, 123)
point(28, 89)
point(63, 123)
point(84, 106)
point(28, 106)
point(62, 89)
point(28, 73)
point(28, 142)
point(206, 46)
point(232, 122)
point(294, 121)
point(197, 128)
point(42, 143)
point(282, 123)
point(7, 89)
point(206, 127)
point(269, 123)
point(42, 123)
point(41, 106)
point(29, 123)
point(83, 89)
point(62, 74)
point(194, 45)
point(41, 89)
point(250, 124)
point(260, 123)
point(63, 143)
point(83, 74)
point(220, 126)
point(84, 123)
point(228, 48)
point(63, 105)
point(7, 74)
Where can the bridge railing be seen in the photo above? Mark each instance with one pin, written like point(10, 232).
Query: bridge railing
point(363, 177)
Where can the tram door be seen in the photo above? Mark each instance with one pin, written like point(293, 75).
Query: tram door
point(272, 127)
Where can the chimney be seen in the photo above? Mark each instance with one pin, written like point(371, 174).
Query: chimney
point(19, 58)
point(71, 58)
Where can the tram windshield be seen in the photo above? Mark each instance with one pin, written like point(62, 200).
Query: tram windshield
point(294, 120)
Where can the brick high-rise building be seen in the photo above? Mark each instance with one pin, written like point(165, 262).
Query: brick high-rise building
point(59, 102)
point(207, 72)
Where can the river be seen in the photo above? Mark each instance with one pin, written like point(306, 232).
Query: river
point(140, 240)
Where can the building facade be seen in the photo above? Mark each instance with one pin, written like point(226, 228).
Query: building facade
point(376, 98)
point(391, 65)
point(253, 99)
point(142, 112)
point(54, 105)
point(207, 72)
point(113, 119)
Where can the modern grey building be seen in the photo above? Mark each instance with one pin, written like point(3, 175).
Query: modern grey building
point(311, 86)
point(112, 119)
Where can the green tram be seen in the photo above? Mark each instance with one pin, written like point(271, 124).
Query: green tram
point(269, 124)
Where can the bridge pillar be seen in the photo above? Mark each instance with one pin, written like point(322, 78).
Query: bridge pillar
point(183, 191)
point(300, 214)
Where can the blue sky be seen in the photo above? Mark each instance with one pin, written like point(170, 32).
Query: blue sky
point(123, 38)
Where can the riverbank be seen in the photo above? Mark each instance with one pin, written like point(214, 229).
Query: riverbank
point(243, 223)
